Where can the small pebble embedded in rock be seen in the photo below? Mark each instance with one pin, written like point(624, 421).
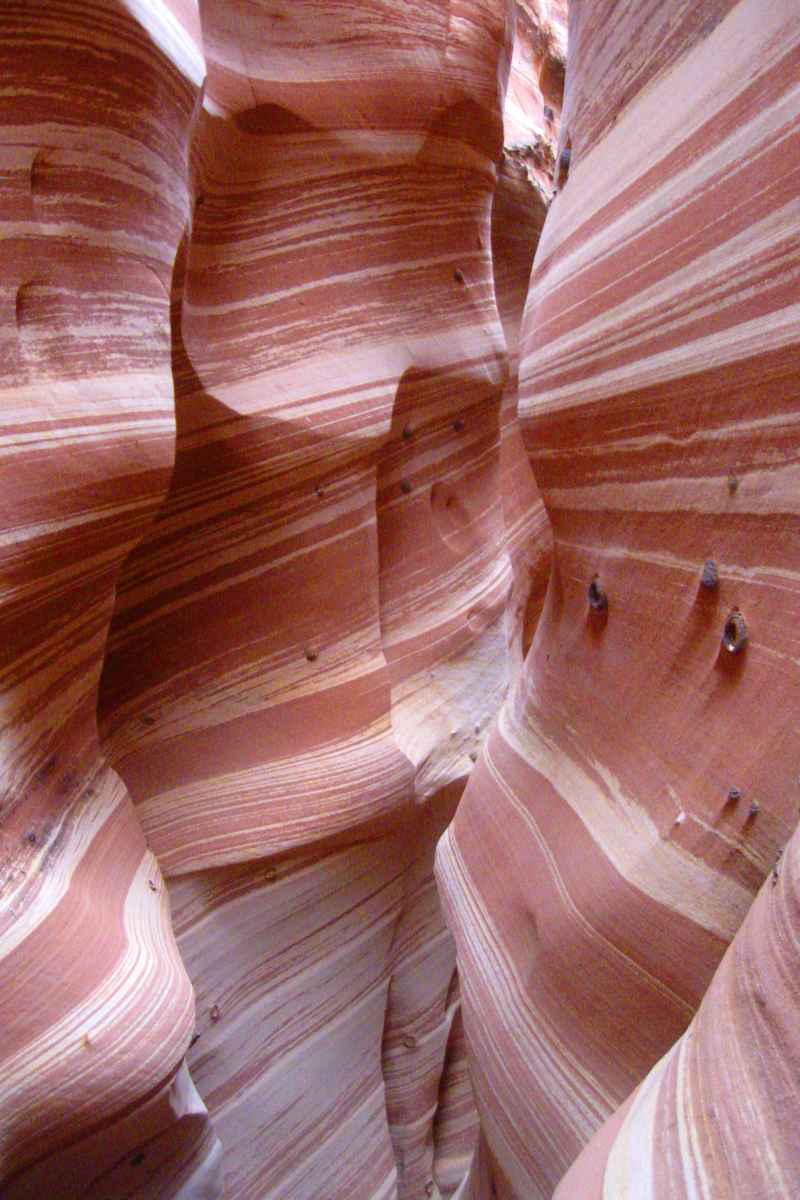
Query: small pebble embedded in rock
point(734, 635)
point(598, 600)
point(710, 577)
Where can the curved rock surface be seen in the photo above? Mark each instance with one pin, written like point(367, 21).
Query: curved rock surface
point(637, 788)
point(309, 641)
point(717, 1116)
point(270, 525)
point(254, 353)
point(96, 1008)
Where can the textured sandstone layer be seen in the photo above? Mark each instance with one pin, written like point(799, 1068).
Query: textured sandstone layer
point(264, 265)
point(314, 629)
point(254, 352)
point(641, 779)
point(96, 1009)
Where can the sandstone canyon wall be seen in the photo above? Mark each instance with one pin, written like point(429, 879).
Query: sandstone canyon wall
point(258, 403)
point(96, 1008)
point(642, 778)
point(270, 524)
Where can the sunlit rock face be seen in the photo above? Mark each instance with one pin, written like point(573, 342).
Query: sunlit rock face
point(642, 777)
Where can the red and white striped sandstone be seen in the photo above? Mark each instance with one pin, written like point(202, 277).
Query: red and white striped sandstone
point(598, 866)
point(717, 1116)
point(95, 1006)
point(261, 286)
point(311, 636)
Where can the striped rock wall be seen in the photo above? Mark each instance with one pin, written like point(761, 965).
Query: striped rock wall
point(717, 1116)
point(257, 409)
point(642, 779)
point(289, 623)
point(96, 1008)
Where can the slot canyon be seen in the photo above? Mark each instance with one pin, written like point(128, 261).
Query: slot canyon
point(400, 599)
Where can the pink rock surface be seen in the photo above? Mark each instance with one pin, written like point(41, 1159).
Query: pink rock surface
point(255, 354)
point(719, 1111)
point(95, 1005)
point(269, 407)
point(311, 638)
point(637, 787)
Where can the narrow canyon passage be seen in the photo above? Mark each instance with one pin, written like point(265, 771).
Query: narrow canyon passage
point(399, 568)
